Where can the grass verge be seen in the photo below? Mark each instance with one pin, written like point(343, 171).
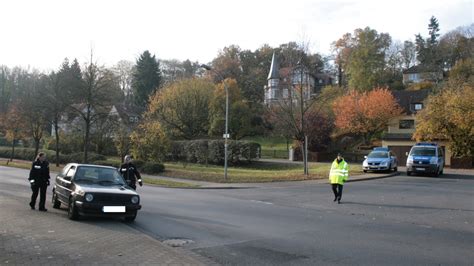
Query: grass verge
point(53, 168)
point(256, 172)
point(168, 183)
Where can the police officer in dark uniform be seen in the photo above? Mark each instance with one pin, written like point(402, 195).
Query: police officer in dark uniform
point(39, 181)
point(130, 173)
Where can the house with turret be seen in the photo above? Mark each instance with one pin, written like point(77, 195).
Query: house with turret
point(285, 83)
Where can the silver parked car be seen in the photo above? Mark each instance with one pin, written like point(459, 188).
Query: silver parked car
point(380, 159)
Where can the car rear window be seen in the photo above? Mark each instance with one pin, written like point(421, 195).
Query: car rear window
point(423, 151)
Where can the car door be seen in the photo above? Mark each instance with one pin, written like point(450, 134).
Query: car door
point(393, 157)
point(440, 158)
point(64, 184)
point(59, 188)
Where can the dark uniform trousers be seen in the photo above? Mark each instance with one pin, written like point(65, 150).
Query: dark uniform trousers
point(337, 189)
point(42, 191)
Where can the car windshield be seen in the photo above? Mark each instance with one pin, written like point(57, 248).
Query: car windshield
point(423, 151)
point(98, 175)
point(378, 154)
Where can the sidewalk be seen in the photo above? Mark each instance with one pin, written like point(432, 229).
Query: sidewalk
point(30, 237)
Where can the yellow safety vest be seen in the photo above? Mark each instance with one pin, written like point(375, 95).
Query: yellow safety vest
point(339, 172)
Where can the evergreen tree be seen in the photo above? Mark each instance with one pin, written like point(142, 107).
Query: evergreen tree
point(427, 50)
point(433, 28)
point(146, 78)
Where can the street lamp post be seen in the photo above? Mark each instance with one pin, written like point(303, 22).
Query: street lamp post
point(226, 133)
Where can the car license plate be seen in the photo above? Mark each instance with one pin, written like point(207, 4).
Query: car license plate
point(420, 169)
point(113, 209)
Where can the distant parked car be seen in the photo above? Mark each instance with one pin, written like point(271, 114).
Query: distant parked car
point(426, 158)
point(93, 190)
point(380, 159)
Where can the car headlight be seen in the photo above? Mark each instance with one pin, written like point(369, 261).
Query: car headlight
point(384, 163)
point(135, 199)
point(433, 160)
point(89, 197)
point(365, 163)
point(410, 160)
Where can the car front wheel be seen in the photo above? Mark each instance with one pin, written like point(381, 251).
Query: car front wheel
point(436, 174)
point(55, 201)
point(72, 211)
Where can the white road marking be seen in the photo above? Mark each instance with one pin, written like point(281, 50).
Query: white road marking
point(264, 202)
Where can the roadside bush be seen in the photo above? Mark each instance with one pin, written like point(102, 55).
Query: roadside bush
point(152, 168)
point(27, 154)
point(212, 151)
point(68, 143)
point(176, 151)
point(4, 142)
point(138, 163)
point(78, 157)
point(107, 163)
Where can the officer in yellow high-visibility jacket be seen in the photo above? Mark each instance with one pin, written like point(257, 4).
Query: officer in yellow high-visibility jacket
point(337, 176)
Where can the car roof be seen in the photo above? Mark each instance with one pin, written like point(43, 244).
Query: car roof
point(381, 149)
point(429, 144)
point(92, 165)
point(425, 146)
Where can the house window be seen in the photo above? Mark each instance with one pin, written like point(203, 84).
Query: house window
point(406, 124)
point(273, 82)
point(413, 77)
point(418, 106)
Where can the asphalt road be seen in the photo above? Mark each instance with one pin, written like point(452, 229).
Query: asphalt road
point(393, 221)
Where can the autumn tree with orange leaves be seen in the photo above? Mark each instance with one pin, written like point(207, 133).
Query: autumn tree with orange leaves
point(12, 126)
point(365, 113)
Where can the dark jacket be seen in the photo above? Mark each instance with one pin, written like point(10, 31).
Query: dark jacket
point(39, 172)
point(129, 172)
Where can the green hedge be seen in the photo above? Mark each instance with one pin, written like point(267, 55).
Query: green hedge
point(152, 168)
point(212, 151)
point(107, 163)
point(143, 167)
point(28, 154)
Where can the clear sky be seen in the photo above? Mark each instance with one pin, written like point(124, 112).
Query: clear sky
point(41, 34)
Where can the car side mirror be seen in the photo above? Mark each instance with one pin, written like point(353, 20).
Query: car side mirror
point(67, 178)
point(406, 153)
point(365, 157)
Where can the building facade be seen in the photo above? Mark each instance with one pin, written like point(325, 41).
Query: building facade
point(288, 83)
point(399, 136)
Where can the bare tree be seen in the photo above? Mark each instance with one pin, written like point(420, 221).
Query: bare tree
point(408, 54)
point(124, 72)
point(94, 98)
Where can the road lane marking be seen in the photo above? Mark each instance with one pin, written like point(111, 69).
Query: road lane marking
point(264, 202)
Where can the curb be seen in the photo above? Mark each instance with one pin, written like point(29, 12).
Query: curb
point(202, 187)
point(252, 185)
